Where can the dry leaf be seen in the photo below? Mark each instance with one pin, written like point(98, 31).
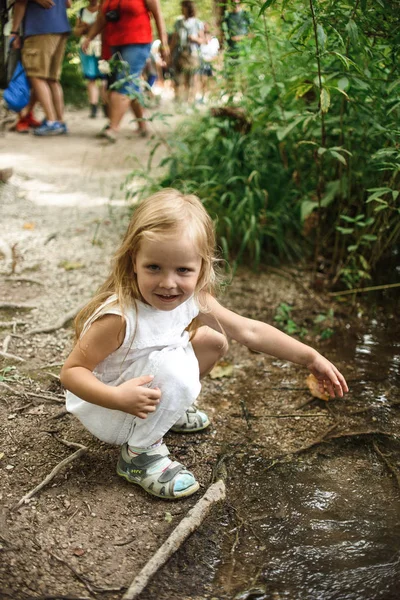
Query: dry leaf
point(313, 386)
point(168, 517)
point(78, 552)
point(222, 369)
point(28, 226)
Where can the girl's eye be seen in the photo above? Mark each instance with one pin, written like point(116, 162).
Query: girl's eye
point(152, 267)
point(183, 270)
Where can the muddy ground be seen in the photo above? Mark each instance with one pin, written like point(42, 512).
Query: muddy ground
point(88, 533)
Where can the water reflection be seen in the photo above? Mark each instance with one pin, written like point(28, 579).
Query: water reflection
point(324, 526)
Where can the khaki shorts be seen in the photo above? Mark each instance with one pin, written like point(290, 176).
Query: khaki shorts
point(42, 55)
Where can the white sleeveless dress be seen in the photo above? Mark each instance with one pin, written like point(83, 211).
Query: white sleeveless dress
point(157, 344)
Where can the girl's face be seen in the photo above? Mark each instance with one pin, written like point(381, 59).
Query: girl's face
point(167, 271)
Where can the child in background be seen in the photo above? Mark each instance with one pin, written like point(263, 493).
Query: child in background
point(209, 51)
point(152, 331)
point(96, 82)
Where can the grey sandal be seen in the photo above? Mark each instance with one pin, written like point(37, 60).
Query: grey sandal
point(191, 421)
point(156, 473)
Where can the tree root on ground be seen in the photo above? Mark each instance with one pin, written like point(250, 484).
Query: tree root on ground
point(387, 462)
point(91, 587)
point(82, 449)
point(62, 321)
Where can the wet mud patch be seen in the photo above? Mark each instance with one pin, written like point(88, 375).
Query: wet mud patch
point(323, 526)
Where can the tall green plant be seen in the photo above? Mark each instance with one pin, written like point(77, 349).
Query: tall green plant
point(316, 165)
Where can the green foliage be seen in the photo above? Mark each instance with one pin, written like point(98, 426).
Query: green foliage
point(323, 323)
point(253, 213)
point(9, 374)
point(71, 77)
point(284, 320)
point(317, 166)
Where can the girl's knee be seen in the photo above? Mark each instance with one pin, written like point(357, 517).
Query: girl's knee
point(221, 344)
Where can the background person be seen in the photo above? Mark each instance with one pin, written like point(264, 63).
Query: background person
point(236, 27)
point(128, 31)
point(90, 58)
point(185, 47)
point(209, 51)
point(46, 29)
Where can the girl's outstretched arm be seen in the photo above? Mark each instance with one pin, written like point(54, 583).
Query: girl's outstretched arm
point(269, 340)
point(104, 337)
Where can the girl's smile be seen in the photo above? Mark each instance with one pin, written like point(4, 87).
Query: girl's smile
point(167, 271)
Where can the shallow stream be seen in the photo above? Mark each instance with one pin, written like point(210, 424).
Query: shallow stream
point(325, 524)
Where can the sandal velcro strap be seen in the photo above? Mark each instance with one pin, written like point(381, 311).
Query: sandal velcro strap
point(170, 472)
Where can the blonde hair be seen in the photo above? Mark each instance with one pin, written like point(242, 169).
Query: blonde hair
point(162, 214)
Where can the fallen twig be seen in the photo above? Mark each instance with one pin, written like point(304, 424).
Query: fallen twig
point(60, 414)
point(190, 523)
point(57, 469)
point(69, 316)
point(389, 465)
point(371, 288)
point(6, 343)
point(12, 356)
point(7, 387)
point(16, 305)
point(315, 442)
point(61, 597)
point(24, 280)
point(52, 398)
point(11, 323)
point(54, 375)
point(303, 403)
point(355, 433)
point(296, 415)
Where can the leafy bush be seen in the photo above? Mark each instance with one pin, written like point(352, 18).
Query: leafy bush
point(311, 160)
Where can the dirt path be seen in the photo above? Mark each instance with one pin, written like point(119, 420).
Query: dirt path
point(88, 533)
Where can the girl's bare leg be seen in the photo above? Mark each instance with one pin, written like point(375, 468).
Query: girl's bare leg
point(209, 346)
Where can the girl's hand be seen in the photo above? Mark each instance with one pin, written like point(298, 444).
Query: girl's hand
point(328, 376)
point(133, 398)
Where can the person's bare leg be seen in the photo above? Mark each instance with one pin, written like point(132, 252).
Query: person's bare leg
point(209, 346)
point(104, 92)
point(93, 92)
point(138, 112)
point(193, 88)
point(187, 86)
point(58, 98)
point(30, 106)
point(119, 104)
point(43, 94)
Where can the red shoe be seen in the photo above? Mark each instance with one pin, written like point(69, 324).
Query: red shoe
point(22, 126)
point(32, 122)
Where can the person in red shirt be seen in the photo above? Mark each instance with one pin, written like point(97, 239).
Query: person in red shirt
point(128, 31)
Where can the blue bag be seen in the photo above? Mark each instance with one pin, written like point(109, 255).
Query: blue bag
point(18, 91)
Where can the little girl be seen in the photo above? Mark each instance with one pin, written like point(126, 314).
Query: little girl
point(152, 331)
